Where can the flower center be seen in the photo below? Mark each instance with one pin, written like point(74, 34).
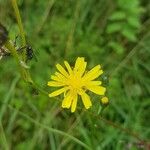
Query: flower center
point(75, 82)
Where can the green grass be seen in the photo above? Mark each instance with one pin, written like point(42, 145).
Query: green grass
point(64, 30)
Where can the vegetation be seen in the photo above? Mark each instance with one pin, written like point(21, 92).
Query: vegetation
point(115, 34)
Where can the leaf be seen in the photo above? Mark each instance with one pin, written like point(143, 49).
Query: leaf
point(114, 27)
point(119, 15)
point(134, 22)
point(117, 47)
point(129, 34)
point(128, 4)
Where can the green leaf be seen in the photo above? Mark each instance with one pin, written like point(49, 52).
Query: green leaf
point(118, 15)
point(128, 4)
point(117, 47)
point(129, 34)
point(134, 22)
point(114, 27)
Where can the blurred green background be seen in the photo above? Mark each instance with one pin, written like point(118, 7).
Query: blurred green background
point(113, 33)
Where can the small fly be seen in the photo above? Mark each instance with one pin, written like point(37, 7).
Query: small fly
point(29, 52)
point(5, 52)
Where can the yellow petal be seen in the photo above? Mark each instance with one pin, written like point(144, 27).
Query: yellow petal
point(55, 84)
point(62, 70)
point(68, 67)
point(60, 76)
point(58, 79)
point(100, 90)
point(66, 103)
point(86, 100)
point(93, 73)
point(58, 92)
point(82, 68)
point(74, 103)
point(91, 83)
point(78, 63)
point(55, 78)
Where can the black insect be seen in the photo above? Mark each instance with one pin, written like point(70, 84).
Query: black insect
point(29, 52)
point(3, 35)
point(4, 52)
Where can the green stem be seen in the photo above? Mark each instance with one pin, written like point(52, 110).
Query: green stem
point(117, 126)
point(23, 71)
point(34, 85)
point(52, 130)
point(3, 137)
point(19, 21)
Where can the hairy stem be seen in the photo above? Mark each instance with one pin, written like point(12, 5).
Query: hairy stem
point(21, 29)
point(23, 71)
point(21, 62)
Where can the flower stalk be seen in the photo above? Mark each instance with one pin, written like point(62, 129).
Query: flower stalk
point(20, 25)
point(23, 68)
point(23, 71)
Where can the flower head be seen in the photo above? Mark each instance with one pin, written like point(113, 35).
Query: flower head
point(75, 82)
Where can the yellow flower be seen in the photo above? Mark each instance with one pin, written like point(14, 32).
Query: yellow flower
point(76, 82)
